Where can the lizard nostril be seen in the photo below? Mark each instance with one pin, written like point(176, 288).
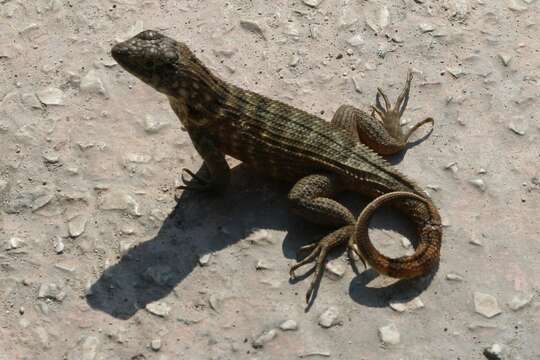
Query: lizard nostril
point(119, 50)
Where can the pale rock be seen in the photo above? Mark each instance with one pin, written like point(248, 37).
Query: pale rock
point(263, 265)
point(156, 344)
point(288, 325)
point(486, 305)
point(51, 291)
point(356, 40)
point(15, 243)
point(411, 305)
point(425, 27)
point(312, 3)
point(119, 200)
point(77, 225)
point(51, 96)
point(505, 58)
point(69, 266)
point(479, 184)
point(520, 301)
point(329, 317)
point(497, 352)
point(379, 20)
point(335, 269)
point(50, 157)
point(92, 83)
point(158, 308)
point(389, 334)
point(264, 338)
point(152, 125)
point(204, 259)
point(260, 237)
point(253, 27)
point(31, 100)
point(454, 277)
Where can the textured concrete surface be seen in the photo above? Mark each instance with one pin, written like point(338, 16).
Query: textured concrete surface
point(99, 261)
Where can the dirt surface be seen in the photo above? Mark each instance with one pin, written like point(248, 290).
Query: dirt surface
point(99, 261)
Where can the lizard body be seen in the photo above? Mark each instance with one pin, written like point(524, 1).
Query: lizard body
point(322, 158)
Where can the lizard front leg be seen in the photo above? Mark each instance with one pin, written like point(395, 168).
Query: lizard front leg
point(310, 198)
point(383, 132)
point(218, 171)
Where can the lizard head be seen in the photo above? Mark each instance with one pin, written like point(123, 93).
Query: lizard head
point(153, 58)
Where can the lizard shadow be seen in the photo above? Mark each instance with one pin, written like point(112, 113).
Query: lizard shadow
point(199, 224)
point(397, 158)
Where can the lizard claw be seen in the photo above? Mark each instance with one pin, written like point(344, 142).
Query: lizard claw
point(196, 183)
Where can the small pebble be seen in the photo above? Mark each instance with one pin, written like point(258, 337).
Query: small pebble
point(505, 59)
point(496, 352)
point(263, 265)
point(520, 301)
point(411, 305)
point(454, 277)
point(389, 334)
point(264, 338)
point(329, 318)
point(158, 308)
point(335, 269)
point(156, 344)
point(204, 259)
point(312, 3)
point(253, 27)
point(479, 184)
point(486, 305)
point(51, 96)
point(288, 325)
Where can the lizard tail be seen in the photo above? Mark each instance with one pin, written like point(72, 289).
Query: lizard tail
point(427, 251)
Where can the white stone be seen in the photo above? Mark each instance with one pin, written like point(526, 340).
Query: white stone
point(253, 27)
point(77, 225)
point(479, 184)
point(312, 3)
point(355, 40)
point(260, 237)
point(91, 83)
point(454, 277)
point(411, 305)
point(51, 291)
point(520, 301)
point(264, 338)
point(156, 344)
point(335, 269)
point(425, 27)
point(505, 58)
point(389, 334)
point(486, 305)
point(51, 96)
point(204, 259)
point(15, 243)
point(263, 265)
point(158, 308)
point(288, 325)
point(329, 318)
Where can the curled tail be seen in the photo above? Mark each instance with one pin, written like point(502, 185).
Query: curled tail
point(427, 252)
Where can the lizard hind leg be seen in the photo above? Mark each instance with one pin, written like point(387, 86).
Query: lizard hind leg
point(390, 115)
point(319, 253)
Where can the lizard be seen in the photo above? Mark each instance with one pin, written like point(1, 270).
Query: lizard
point(320, 158)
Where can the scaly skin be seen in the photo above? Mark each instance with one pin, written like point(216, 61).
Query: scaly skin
point(319, 157)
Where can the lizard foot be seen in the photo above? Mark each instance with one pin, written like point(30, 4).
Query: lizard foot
point(318, 254)
point(390, 115)
point(196, 183)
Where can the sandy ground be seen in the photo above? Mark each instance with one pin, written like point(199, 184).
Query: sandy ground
point(99, 261)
